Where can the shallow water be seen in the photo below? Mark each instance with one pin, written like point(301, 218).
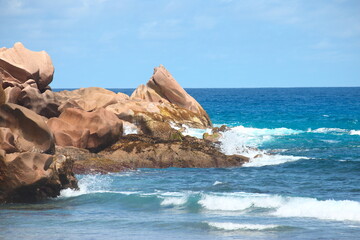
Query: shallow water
point(304, 185)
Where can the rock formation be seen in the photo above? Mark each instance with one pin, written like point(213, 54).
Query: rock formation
point(45, 135)
point(30, 176)
point(142, 151)
point(28, 129)
point(27, 170)
point(19, 64)
point(91, 130)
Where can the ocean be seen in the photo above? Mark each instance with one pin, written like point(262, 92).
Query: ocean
point(303, 184)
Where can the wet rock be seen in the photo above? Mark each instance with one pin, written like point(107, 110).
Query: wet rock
point(141, 151)
point(86, 162)
point(214, 138)
point(31, 177)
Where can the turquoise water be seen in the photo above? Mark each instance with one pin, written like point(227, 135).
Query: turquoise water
point(304, 185)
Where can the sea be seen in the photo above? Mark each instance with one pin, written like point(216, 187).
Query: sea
point(302, 182)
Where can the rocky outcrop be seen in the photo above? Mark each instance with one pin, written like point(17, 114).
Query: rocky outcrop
point(19, 64)
point(90, 130)
point(142, 151)
point(86, 162)
point(30, 176)
point(174, 101)
point(27, 129)
point(28, 172)
point(216, 134)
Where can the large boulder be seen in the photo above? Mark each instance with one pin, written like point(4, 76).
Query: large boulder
point(30, 177)
point(163, 88)
point(28, 129)
point(88, 99)
point(19, 64)
point(91, 130)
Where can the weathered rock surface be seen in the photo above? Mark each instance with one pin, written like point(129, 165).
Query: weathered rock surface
point(141, 151)
point(2, 94)
point(89, 99)
point(174, 101)
point(86, 162)
point(91, 130)
point(30, 177)
point(28, 129)
point(18, 64)
point(44, 104)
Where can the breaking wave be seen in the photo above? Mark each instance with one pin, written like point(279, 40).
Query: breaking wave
point(241, 203)
point(228, 226)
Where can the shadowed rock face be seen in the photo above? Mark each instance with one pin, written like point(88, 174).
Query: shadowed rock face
point(28, 129)
point(27, 173)
point(30, 177)
point(19, 64)
point(2, 94)
point(91, 130)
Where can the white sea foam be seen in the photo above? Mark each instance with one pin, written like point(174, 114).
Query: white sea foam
point(339, 210)
point(174, 201)
point(327, 130)
point(240, 138)
point(330, 141)
point(254, 137)
point(266, 160)
point(355, 132)
point(193, 132)
point(239, 201)
point(217, 183)
point(130, 129)
point(244, 141)
point(89, 184)
point(228, 226)
point(173, 198)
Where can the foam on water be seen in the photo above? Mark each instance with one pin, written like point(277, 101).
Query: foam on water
point(355, 132)
point(245, 141)
point(339, 210)
point(217, 183)
point(193, 132)
point(266, 160)
point(228, 226)
point(254, 137)
point(89, 184)
point(130, 129)
point(236, 202)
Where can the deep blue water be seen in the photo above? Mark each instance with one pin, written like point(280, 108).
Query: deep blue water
point(304, 185)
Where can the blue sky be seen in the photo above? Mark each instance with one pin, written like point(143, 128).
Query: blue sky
point(203, 43)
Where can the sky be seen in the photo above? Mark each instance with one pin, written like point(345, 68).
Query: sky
point(203, 43)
